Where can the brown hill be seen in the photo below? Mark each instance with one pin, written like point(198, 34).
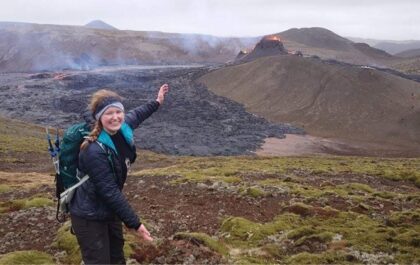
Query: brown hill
point(34, 47)
point(317, 38)
point(363, 106)
point(328, 45)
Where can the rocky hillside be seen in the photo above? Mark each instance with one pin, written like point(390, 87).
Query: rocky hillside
point(370, 108)
point(34, 47)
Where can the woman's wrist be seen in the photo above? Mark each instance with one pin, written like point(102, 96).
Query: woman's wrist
point(138, 227)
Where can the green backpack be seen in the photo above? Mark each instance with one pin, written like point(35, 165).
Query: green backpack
point(65, 156)
point(69, 155)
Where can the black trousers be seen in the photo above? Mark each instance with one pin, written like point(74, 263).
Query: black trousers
point(101, 242)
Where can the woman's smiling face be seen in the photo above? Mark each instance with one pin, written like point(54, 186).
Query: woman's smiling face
point(112, 119)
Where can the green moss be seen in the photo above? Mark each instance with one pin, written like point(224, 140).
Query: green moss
point(38, 202)
point(254, 192)
point(206, 240)
point(26, 257)
point(357, 187)
point(274, 250)
point(409, 238)
point(257, 260)
point(20, 144)
point(323, 237)
point(11, 206)
point(408, 256)
point(359, 231)
point(231, 179)
point(129, 244)
point(199, 169)
point(386, 194)
point(404, 218)
point(19, 204)
point(17, 136)
point(5, 188)
point(321, 258)
point(241, 231)
point(272, 182)
point(67, 242)
point(300, 232)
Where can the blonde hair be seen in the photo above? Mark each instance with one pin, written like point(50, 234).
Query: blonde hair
point(97, 98)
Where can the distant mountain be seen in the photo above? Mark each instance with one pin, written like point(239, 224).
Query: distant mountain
point(99, 24)
point(409, 53)
point(27, 47)
point(371, 109)
point(35, 47)
point(394, 47)
point(370, 42)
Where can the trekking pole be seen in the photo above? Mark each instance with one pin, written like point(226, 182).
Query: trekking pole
point(57, 141)
point(56, 160)
point(53, 152)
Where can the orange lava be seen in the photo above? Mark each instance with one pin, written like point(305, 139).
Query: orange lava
point(272, 37)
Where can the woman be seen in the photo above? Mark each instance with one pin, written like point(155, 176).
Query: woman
point(99, 207)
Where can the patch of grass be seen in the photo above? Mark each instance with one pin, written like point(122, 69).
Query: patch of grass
point(359, 232)
point(322, 237)
point(21, 144)
point(321, 258)
point(301, 232)
point(26, 257)
point(18, 136)
point(238, 230)
point(130, 242)
point(67, 242)
point(386, 194)
point(38, 202)
point(404, 218)
point(204, 239)
point(357, 187)
point(5, 188)
point(409, 238)
point(254, 192)
point(201, 169)
point(19, 204)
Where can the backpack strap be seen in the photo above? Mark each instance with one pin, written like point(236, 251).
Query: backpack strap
point(109, 153)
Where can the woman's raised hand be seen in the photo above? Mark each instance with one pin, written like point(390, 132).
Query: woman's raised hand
point(162, 92)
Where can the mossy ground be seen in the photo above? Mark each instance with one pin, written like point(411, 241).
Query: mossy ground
point(26, 257)
point(17, 136)
point(331, 209)
point(219, 168)
point(202, 238)
point(314, 229)
point(19, 204)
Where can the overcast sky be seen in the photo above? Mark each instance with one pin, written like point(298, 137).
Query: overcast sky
point(378, 19)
